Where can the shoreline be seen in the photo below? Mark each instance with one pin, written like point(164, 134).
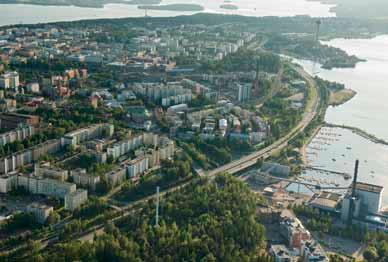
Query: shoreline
point(360, 132)
point(302, 150)
point(93, 5)
point(340, 97)
point(355, 130)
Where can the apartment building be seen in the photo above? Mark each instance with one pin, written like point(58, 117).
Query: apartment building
point(14, 120)
point(117, 176)
point(311, 251)
point(81, 135)
point(137, 166)
point(83, 179)
point(166, 148)
point(52, 172)
point(18, 134)
point(75, 199)
point(40, 211)
point(13, 162)
point(7, 183)
point(294, 232)
point(9, 80)
point(123, 147)
point(45, 186)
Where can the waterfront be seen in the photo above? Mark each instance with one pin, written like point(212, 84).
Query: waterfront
point(364, 111)
point(336, 149)
point(368, 79)
point(27, 14)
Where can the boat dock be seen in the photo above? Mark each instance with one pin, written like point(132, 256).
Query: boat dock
point(321, 170)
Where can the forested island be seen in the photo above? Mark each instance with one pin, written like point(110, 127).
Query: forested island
point(352, 8)
point(229, 7)
point(308, 48)
point(81, 3)
point(174, 7)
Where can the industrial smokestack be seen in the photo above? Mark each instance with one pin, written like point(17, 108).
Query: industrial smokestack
point(355, 179)
point(353, 195)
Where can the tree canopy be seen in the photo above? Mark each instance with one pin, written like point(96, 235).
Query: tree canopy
point(205, 221)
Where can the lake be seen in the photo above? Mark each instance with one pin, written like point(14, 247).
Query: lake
point(368, 111)
point(337, 149)
point(29, 14)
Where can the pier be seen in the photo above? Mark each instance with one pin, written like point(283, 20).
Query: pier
point(321, 170)
point(309, 185)
point(360, 132)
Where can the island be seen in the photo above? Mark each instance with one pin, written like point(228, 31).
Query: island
point(174, 7)
point(122, 140)
point(362, 9)
point(80, 3)
point(229, 7)
point(305, 47)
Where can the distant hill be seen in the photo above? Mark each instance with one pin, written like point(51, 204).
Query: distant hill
point(81, 3)
point(174, 7)
point(359, 8)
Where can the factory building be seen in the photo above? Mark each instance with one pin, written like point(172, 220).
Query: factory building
point(367, 200)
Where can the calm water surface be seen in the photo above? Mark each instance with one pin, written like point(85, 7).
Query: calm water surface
point(369, 109)
point(15, 14)
point(332, 149)
point(337, 149)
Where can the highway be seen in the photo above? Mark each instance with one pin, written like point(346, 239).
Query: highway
point(250, 160)
point(231, 168)
point(237, 165)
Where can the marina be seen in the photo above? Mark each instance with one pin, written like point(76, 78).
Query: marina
point(321, 169)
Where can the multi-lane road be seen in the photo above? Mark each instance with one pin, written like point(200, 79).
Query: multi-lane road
point(251, 159)
point(242, 163)
point(231, 168)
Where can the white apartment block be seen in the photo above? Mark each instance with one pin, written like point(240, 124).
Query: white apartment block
point(123, 147)
point(41, 212)
point(166, 148)
point(18, 134)
point(117, 176)
point(83, 179)
point(7, 183)
point(137, 166)
point(9, 80)
point(169, 94)
point(46, 186)
point(81, 135)
point(75, 199)
point(52, 172)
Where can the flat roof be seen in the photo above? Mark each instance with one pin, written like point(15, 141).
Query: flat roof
point(369, 187)
point(324, 203)
point(326, 200)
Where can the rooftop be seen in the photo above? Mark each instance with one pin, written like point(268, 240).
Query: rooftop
point(326, 200)
point(369, 188)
